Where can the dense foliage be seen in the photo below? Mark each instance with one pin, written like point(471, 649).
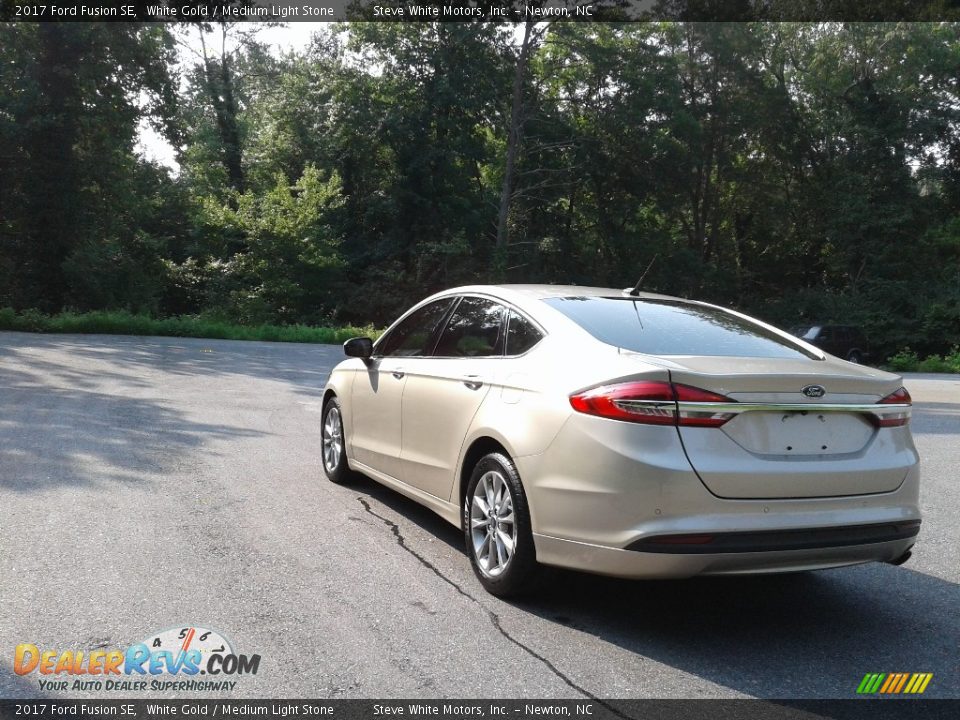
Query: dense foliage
point(796, 171)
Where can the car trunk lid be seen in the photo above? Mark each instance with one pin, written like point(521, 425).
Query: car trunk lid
point(797, 428)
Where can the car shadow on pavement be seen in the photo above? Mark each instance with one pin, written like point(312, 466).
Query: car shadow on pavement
point(426, 519)
point(804, 635)
point(801, 635)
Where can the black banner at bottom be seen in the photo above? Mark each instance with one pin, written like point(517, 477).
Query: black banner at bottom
point(872, 709)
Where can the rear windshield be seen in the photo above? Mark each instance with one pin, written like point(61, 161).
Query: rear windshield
point(668, 327)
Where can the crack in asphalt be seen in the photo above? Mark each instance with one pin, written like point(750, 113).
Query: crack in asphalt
point(493, 617)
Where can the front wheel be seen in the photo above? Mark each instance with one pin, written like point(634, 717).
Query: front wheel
point(854, 356)
point(333, 447)
point(496, 522)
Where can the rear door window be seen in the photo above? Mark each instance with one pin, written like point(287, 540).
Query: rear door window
point(671, 327)
point(475, 329)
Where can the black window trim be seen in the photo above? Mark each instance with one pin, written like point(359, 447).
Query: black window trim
point(435, 336)
point(442, 325)
point(501, 338)
point(506, 333)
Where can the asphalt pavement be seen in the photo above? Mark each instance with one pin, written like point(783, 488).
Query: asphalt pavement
point(154, 483)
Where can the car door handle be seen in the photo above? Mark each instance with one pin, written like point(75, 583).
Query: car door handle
point(398, 374)
point(473, 382)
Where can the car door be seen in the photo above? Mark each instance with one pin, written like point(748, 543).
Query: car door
point(443, 393)
point(375, 417)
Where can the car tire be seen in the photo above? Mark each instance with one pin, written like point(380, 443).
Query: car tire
point(499, 541)
point(855, 356)
point(333, 447)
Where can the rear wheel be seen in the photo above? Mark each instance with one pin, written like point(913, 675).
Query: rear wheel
point(854, 356)
point(496, 522)
point(333, 447)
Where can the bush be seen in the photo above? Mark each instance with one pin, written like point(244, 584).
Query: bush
point(121, 322)
point(904, 361)
point(907, 361)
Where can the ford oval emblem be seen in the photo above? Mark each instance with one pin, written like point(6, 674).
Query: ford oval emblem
point(814, 391)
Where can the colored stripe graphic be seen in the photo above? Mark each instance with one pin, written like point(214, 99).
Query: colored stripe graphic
point(892, 679)
point(870, 683)
point(919, 682)
point(903, 679)
point(894, 683)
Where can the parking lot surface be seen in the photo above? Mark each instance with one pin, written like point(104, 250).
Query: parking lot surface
point(154, 483)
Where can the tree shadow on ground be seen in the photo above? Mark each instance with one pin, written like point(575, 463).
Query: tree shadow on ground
point(303, 366)
point(57, 428)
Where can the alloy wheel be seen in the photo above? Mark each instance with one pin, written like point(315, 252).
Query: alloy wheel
point(332, 440)
point(493, 530)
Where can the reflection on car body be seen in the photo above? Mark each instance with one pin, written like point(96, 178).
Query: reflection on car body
point(844, 341)
point(626, 434)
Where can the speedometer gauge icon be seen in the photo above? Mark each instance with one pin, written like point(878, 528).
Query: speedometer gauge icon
point(190, 637)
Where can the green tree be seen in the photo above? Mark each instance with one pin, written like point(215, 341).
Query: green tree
point(70, 114)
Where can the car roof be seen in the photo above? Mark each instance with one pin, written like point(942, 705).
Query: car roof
point(528, 297)
point(542, 292)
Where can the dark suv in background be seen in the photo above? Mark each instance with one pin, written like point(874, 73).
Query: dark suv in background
point(844, 341)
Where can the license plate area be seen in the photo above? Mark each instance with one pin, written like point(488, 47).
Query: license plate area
point(800, 433)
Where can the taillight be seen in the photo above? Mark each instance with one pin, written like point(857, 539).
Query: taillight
point(897, 419)
point(654, 403)
point(689, 414)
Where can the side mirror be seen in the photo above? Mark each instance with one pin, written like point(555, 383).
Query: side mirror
point(361, 347)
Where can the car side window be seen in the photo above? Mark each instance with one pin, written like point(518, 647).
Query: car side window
point(475, 329)
point(414, 335)
point(521, 334)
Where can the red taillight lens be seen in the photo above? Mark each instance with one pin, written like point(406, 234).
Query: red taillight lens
point(898, 397)
point(688, 414)
point(653, 403)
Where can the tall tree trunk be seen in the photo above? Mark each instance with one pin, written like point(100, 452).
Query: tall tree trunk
point(514, 139)
point(220, 90)
point(229, 128)
point(54, 203)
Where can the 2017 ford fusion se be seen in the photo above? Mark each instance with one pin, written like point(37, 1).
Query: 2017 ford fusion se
point(627, 434)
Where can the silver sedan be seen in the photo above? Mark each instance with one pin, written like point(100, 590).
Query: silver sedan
point(627, 434)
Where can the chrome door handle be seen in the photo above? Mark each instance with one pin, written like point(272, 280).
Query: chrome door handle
point(398, 375)
point(473, 382)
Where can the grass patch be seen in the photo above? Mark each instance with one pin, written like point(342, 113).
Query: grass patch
point(907, 361)
point(121, 322)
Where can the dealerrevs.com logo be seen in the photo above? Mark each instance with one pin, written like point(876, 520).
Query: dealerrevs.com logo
point(184, 652)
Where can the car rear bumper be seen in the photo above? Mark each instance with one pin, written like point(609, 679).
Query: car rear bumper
point(765, 541)
point(622, 499)
point(634, 564)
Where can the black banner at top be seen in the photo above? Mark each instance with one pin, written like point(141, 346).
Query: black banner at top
point(477, 10)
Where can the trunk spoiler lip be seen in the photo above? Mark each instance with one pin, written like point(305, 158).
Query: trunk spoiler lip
point(878, 411)
point(738, 407)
